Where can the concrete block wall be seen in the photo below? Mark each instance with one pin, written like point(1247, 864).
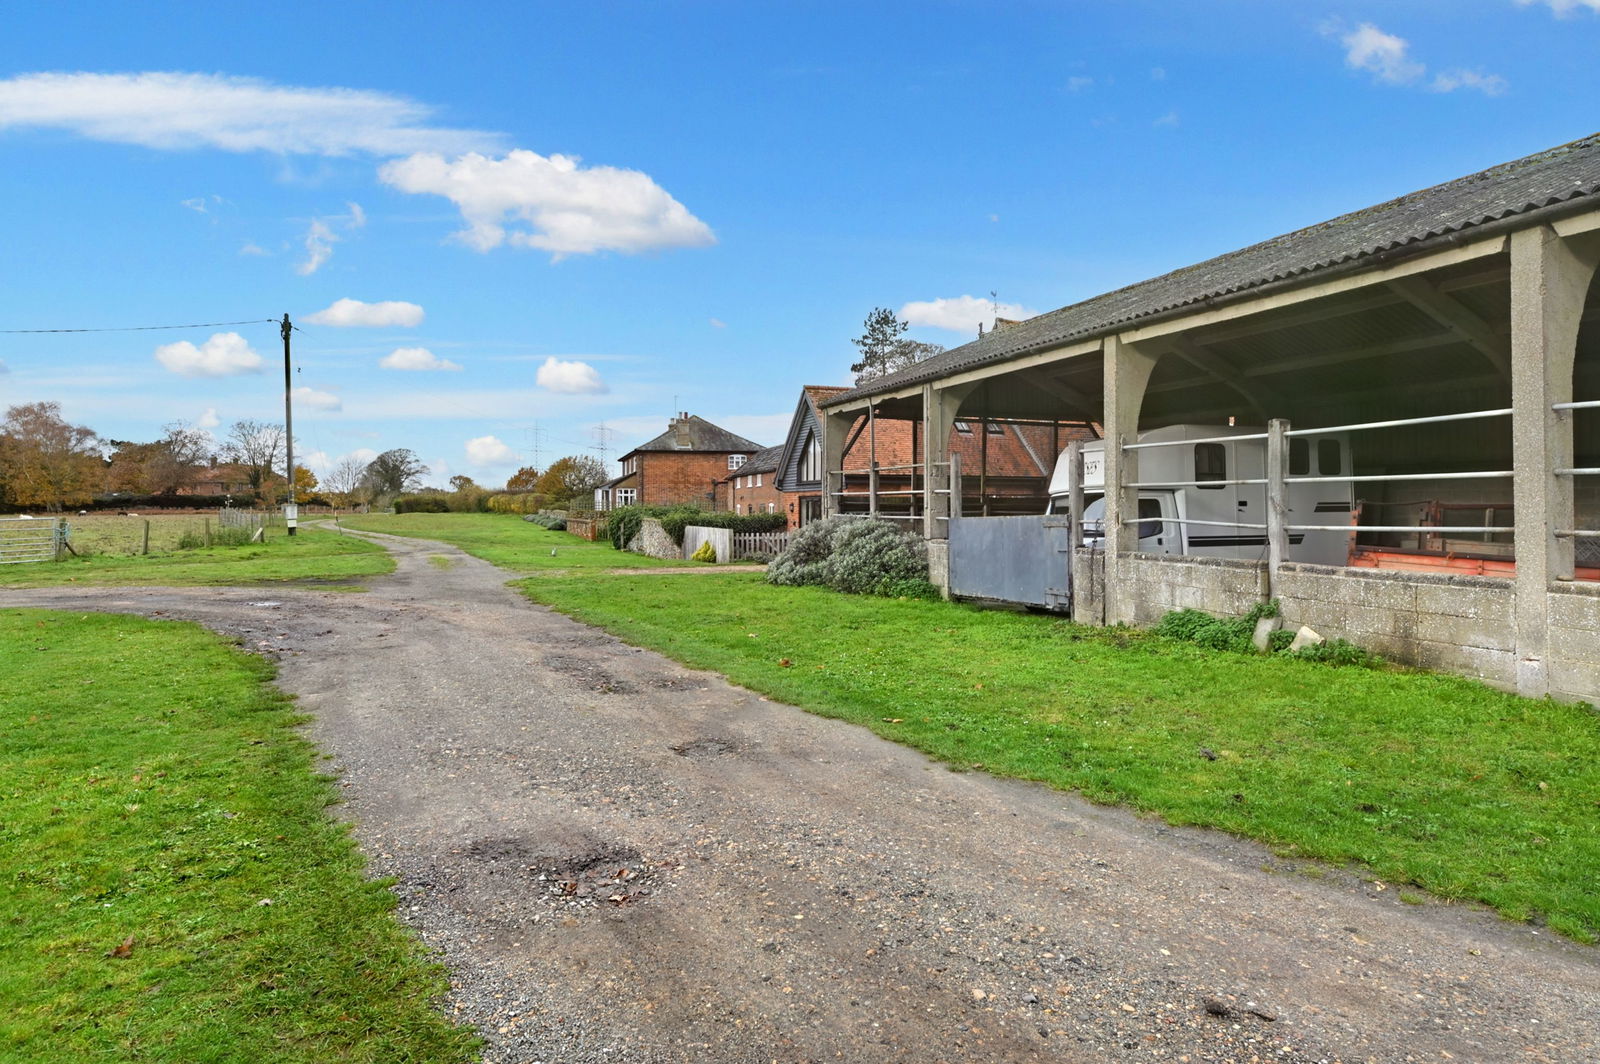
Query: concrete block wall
point(1453, 623)
point(1573, 651)
point(1222, 586)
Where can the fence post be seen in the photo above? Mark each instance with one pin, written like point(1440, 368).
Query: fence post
point(61, 536)
point(147, 535)
point(208, 531)
point(1277, 501)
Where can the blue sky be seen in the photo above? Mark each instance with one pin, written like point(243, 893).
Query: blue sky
point(501, 226)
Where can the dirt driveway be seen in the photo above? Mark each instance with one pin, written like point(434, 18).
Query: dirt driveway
point(624, 860)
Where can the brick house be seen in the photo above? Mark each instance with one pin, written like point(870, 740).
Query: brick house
point(753, 488)
point(685, 464)
point(1005, 464)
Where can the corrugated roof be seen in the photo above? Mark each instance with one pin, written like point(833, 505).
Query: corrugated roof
point(1551, 177)
point(699, 435)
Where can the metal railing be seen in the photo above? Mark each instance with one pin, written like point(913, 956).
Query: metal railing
point(1588, 471)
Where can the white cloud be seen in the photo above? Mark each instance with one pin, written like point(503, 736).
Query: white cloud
point(569, 378)
point(718, 323)
point(177, 111)
point(224, 355)
point(962, 314)
point(319, 246)
point(1170, 119)
point(488, 451)
point(415, 358)
point(316, 400)
point(566, 209)
point(1078, 83)
point(198, 204)
point(253, 249)
point(320, 237)
point(208, 420)
point(1563, 8)
point(1451, 80)
point(1381, 54)
point(346, 313)
point(1388, 59)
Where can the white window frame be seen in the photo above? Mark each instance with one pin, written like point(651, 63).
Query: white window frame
point(627, 496)
point(737, 460)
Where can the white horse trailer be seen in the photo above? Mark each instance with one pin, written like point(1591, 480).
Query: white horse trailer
point(1201, 513)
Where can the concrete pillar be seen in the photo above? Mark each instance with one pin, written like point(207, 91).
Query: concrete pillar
point(1277, 501)
point(835, 429)
point(1127, 373)
point(1549, 284)
point(939, 409)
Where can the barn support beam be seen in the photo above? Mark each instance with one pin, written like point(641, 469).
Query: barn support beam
point(835, 427)
point(1550, 280)
point(939, 409)
point(1127, 374)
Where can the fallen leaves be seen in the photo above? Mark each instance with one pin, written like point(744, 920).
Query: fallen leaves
point(124, 950)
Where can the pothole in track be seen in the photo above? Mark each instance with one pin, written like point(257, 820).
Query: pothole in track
point(601, 877)
point(705, 749)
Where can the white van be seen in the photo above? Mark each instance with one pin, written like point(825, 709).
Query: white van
point(1228, 509)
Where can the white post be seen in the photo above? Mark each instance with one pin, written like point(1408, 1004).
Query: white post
point(1277, 501)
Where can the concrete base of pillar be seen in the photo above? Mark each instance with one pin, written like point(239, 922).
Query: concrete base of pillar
point(939, 565)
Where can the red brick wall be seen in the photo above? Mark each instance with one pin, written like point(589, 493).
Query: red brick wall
point(688, 476)
point(754, 500)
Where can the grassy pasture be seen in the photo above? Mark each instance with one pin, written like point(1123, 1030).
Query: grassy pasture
point(508, 541)
point(174, 887)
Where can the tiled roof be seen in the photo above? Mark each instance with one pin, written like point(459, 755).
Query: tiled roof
point(701, 435)
point(1549, 178)
point(763, 461)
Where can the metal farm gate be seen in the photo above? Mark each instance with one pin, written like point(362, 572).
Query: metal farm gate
point(1026, 560)
point(25, 539)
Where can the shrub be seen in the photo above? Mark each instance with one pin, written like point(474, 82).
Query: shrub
point(623, 523)
point(220, 537)
point(857, 556)
point(867, 555)
point(707, 552)
point(554, 520)
point(421, 504)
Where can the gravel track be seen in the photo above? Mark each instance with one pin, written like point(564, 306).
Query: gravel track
point(620, 859)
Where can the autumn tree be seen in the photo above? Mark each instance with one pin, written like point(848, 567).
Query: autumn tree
point(568, 478)
point(46, 462)
point(523, 479)
point(462, 482)
point(162, 467)
point(884, 347)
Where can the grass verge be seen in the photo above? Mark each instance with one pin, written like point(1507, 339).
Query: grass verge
point(175, 889)
point(313, 554)
point(1422, 779)
point(507, 541)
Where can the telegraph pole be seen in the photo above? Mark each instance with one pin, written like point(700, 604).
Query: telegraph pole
point(291, 512)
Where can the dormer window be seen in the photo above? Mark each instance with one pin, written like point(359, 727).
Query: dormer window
point(964, 428)
point(736, 460)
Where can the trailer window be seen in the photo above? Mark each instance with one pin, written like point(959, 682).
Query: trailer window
point(1329, 460)
point(1299, 458)
point(1210, 463)
point(1149, 508)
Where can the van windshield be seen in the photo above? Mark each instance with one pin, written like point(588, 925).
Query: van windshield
point(1094, 515)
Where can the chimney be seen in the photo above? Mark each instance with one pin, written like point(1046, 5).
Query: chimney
point(680, 427)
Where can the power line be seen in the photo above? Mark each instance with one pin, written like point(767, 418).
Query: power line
point(148, 328)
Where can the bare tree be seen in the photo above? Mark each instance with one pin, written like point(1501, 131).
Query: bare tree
point(258, 446)
point(347, 481)
point(177, 458)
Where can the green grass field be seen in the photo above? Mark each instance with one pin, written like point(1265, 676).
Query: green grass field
point(175, 889)
point(313, 555)
point(507, 541)
point(1417, 778)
